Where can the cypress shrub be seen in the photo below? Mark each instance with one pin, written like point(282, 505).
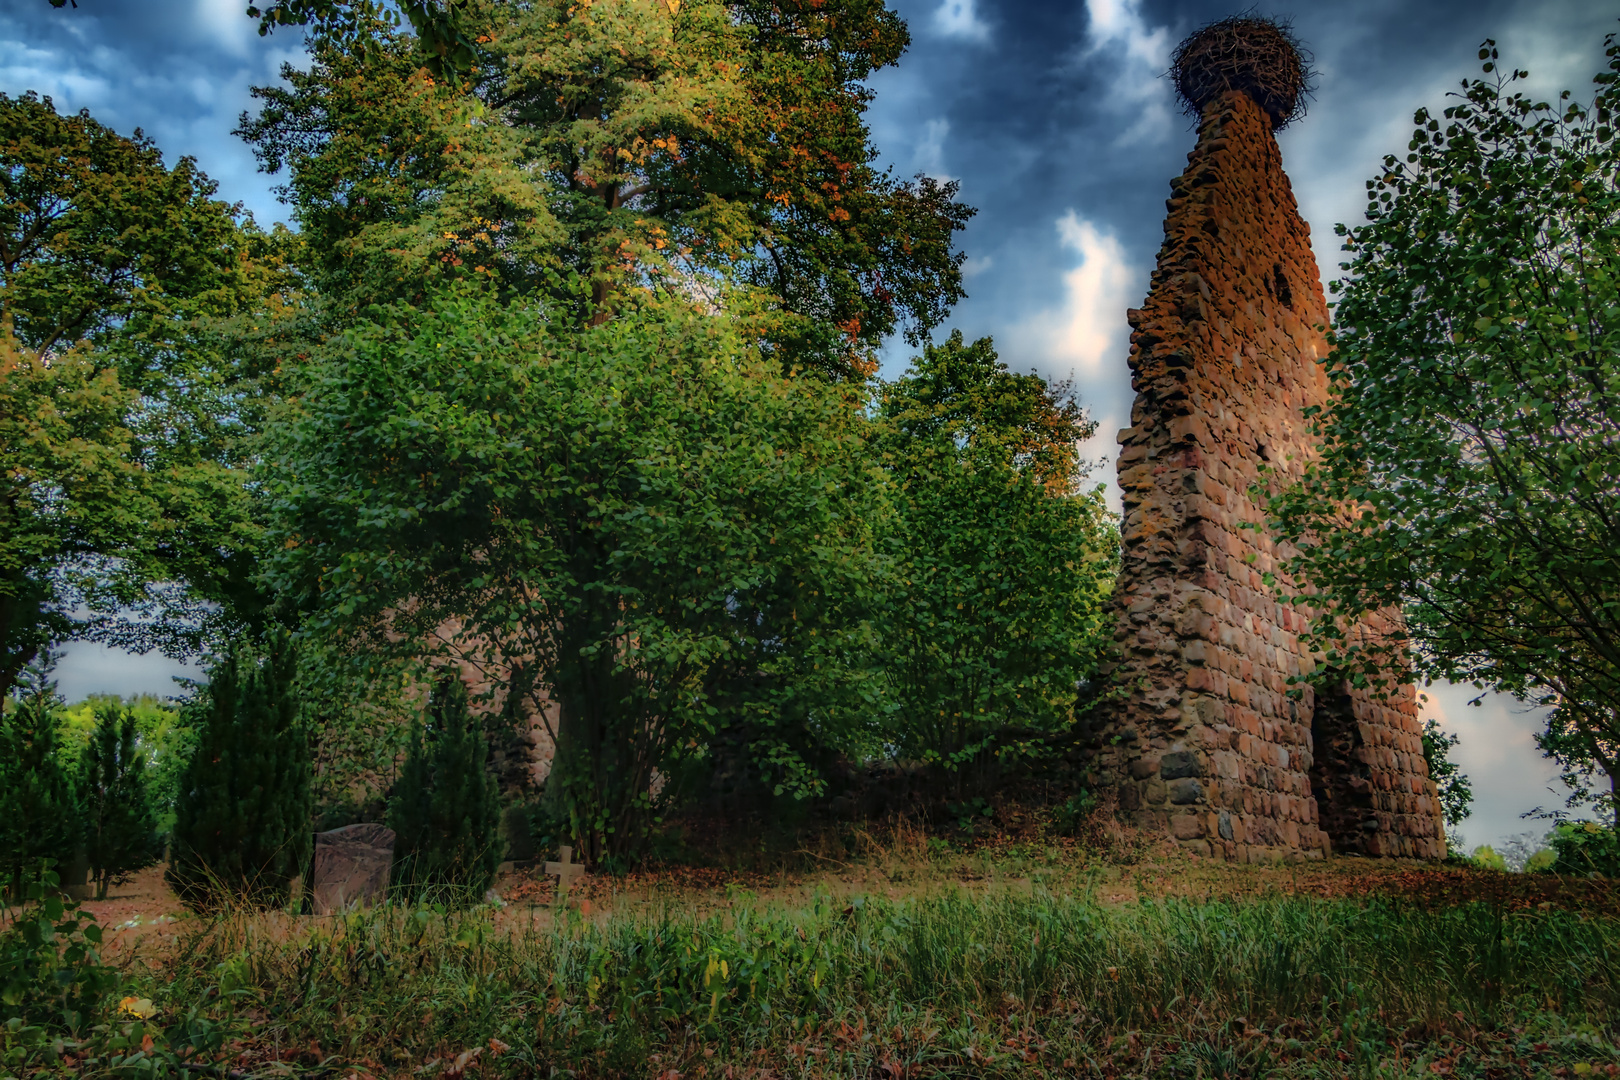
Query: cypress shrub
point(120, 822)
point(39, 817)
point(242, 824)
point(445, 808)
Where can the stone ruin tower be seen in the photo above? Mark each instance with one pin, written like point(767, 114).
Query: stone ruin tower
point(1208, 746)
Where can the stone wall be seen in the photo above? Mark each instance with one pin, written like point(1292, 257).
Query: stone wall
point(1209, 746)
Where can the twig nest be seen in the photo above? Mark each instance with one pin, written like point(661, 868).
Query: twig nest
point(1256, 55)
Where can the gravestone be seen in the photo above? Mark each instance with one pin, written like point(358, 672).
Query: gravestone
point(1210, 746)
point(351, 867)
point(565, 870)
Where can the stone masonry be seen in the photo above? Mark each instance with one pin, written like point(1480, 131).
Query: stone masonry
point(1209, 746)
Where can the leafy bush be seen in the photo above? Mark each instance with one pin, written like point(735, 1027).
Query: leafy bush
point(1488, 858)
point(999, 604)
point(52, 981)
point(60, 1006)
point(120, 824)
point(1585, 847)
point(644, 520)
point(445, 810)
point(242, 827)
point(1542, 860)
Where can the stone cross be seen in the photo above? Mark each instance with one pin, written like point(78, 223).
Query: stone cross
point(565, 871)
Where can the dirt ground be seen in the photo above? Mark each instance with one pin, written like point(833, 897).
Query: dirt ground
point(144, 911)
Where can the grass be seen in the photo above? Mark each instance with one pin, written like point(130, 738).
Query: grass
point(1004, 981)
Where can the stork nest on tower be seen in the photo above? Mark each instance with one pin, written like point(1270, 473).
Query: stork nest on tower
point(1257, 55)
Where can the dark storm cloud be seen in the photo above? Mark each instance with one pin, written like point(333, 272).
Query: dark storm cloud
point(1054, 118)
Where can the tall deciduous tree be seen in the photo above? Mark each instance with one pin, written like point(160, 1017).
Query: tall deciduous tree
point(1005, 564)
point(127, 383)
point(653, 522)
point(712, 151)
point(74, 501)
point(1471, 452)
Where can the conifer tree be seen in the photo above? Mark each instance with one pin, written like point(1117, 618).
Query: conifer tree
point(38, 815)
point(445, 810)
point(242, 828)
point(120, 823)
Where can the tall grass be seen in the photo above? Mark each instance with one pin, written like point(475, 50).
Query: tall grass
point(951, 982)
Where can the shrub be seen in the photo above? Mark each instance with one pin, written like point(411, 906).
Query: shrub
point(445, 810)
point(998, 609)
point(242, 828)
point(120, 822)
point(1488, 858)
point(1585, 847)
point(52, 981)
point(1543, 859)
point(39, 817)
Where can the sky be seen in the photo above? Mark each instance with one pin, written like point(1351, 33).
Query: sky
point(1053, 116)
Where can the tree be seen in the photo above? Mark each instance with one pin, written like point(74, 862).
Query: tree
point(39, 818)
point(1470, 452)
point(643, 520)
point(120, 820)
point(710, 151)
point(73, 499)
point(242, 829)
point(127, 383)
point(1005, 565)
point(1456, 793)
point(445, 810)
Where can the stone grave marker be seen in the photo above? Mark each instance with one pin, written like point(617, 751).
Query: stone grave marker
point(565, 870)
point(351, 867)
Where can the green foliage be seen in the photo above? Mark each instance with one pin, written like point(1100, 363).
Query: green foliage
point(999, 605)
point(1586, 847)
point(1541, 861)
point(641, 519)
point(980, 983)
point(164, 738)
point(125, 386)
point(120, 823)
point(57, 1001)
point(701, 149)
point(445, 810)
point(1476, 381)
point(242, 830)
point(444, 47)
point(1456, 793)
point(52, 980)
point(1488, 858)
point(39, 817)
point(71, 491)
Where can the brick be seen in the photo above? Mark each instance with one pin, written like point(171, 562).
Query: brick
point(1223, 362)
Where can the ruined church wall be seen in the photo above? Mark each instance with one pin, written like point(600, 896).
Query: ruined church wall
point(1209, 745)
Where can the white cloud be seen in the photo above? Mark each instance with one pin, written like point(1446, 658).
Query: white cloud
point(1498, 753)
point(958, 19)
point(223, 24)
point(1088, 331)
point(1085, 337)
point(928, 156)
point(975, 266)
point(1139, 55)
